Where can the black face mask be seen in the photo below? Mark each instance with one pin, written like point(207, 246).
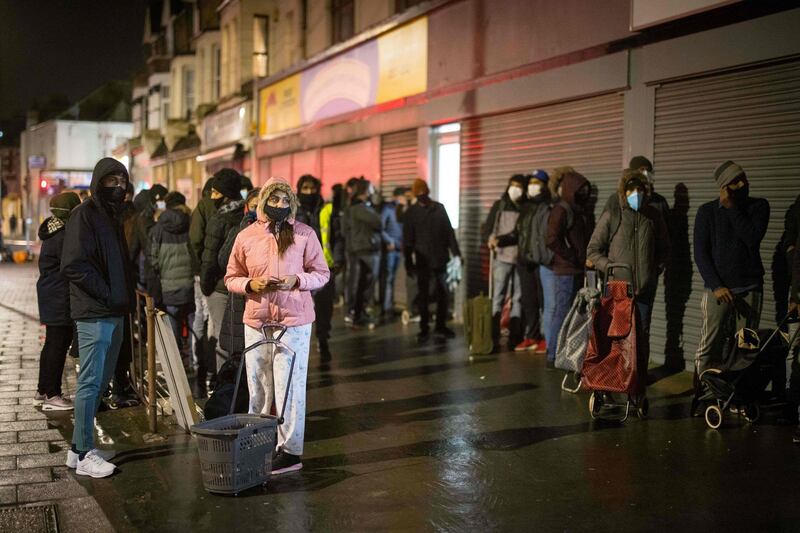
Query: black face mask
point(277, 214)
point(308, 201)
point(741, 195)
point(112, 195)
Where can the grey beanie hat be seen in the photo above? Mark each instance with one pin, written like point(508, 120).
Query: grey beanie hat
point(727, 172)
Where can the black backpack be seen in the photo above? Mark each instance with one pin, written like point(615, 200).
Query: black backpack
point(220, 401)
point(538, 252)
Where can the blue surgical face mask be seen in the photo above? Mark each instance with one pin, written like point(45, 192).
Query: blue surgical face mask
point(635, 200)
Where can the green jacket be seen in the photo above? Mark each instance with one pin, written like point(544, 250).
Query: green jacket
point(172, 259)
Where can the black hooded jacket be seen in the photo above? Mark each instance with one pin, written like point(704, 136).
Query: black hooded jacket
point(52, 288)
point(94, 257)
point(211, 275)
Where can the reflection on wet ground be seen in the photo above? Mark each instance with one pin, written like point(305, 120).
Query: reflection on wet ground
point(407, 438)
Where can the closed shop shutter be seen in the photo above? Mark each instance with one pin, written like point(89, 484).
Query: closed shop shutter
point(307, 162)
point(398, 160)
point(280, 166)
point(751, 116)
point(344, 161)
point(586, 134)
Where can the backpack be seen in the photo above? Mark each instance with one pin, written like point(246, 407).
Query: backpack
point(538, 252)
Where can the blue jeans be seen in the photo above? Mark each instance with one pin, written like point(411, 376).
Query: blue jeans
point(558, 292)
point(99, 340)
point(390, 265)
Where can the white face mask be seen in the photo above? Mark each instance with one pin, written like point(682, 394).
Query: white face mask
point(534, 190)
point(515, 193)
point(161, 204)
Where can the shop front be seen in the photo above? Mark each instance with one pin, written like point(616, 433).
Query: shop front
point(226, 140)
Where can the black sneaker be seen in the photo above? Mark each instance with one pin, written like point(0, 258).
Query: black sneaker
point(796, 436)
point(284, 462)
point(444, 333)
point(423, 336)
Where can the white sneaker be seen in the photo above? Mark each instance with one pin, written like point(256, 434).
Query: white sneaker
point(95, 466)
point(72, 457)
point(38, 399)
point(57, 403)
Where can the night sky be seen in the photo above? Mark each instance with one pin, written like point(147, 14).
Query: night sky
point(65, 46)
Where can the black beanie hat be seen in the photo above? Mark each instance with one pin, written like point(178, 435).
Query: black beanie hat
point(174, 199)
point(228, 182)
point(208, 186)
point(640, 161)
point(106, 167)
point(157, 192)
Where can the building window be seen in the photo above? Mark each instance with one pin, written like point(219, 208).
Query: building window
point(164, 105)
point(226, 59)
point(344, 15)
point(188, 93)
point(260, 46)
point(216, 69)
point(402, 5)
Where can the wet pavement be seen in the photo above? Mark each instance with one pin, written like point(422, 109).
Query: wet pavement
point(409, 438)
point(402, 437)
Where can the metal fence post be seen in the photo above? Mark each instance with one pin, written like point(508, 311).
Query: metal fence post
point(151, 363)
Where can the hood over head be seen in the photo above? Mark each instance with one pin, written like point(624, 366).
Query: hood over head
point(175, 221)
point(107, 166)
point(571, 183)
point(277, 184)
point(628, 175)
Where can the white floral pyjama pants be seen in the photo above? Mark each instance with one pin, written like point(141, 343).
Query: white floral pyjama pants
point(267, 374)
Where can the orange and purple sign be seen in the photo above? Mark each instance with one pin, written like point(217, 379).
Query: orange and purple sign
point(394, 65)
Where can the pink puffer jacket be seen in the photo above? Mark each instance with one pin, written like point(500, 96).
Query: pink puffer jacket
point(255, 255)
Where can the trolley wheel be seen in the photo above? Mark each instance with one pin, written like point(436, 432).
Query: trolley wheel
point(752, 413)
point(713, 416)
point(405, 318)
point(643, 407)
point(595, 404)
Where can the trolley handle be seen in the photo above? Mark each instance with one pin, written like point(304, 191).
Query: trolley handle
point(276, 340)
point(610, 274)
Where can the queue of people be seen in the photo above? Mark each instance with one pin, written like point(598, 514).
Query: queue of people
point(248, 258)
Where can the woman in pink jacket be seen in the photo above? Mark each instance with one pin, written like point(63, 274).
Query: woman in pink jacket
point(276, 262)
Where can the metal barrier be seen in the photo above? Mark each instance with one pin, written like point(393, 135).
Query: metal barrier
point(144, 374)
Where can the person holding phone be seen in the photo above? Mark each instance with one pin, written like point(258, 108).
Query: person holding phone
point(275, 263)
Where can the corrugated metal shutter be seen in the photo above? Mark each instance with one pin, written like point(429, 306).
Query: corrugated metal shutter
point(751, 116)
point(586, 134)
point(398, 160)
